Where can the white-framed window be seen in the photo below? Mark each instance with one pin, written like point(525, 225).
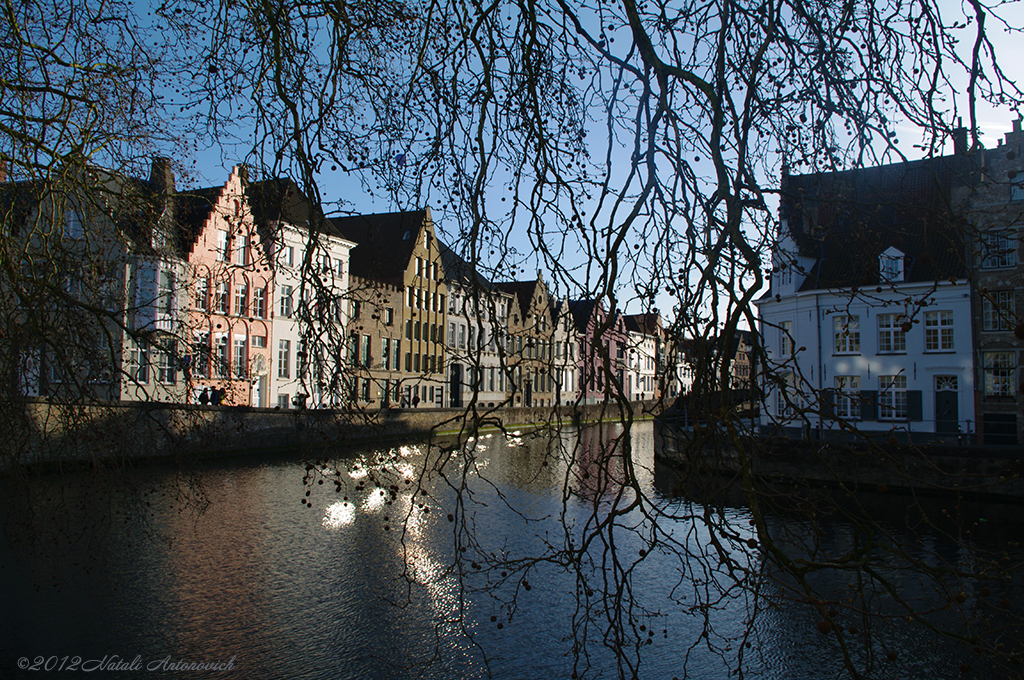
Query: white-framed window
point(999, 370)
point(890, 265)
point(389, 316)
point(938, 331)
point(846, 332)
point(288, 256)
point(785, 339)
point(239, 357)
point(259, 303)
point(366, 351)
point(892, 397)
point(241, 293)
point(385, 352)
point(138, 361)
point(785, 395)
point(220, 356)
point(259, 341)
point(201, 354)
point(73, 224)
point(165, 293)
point(997, 310)
point(891, 336)
point(222, 245)
point(221, 300)
point(998, 249)
point(166, 371)
point(284, 294)
point(284, 359)
point(397, 355)
point(847, 396)
point(202, 290)
point(242, 249)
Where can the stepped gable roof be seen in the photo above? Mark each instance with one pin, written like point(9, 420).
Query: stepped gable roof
point(385, 242)
point(523, 290)
point(281, 200)
point(846, 220)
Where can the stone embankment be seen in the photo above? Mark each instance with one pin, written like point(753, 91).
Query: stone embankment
point(981, 472)
point(57, 433)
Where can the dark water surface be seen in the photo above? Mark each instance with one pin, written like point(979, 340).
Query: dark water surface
point(363, 566)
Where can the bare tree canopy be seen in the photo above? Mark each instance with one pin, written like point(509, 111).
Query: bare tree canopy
point(636, 154)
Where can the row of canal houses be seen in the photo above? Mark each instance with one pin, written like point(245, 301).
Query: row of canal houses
point(246, 294)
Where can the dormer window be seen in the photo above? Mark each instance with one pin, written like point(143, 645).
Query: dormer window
point(890, 265)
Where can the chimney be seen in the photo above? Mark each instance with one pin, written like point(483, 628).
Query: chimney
point(960, 138)
point(161, 175)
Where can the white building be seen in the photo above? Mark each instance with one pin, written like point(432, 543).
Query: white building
point(867, 324)
point(477, 335)
point(310, 309)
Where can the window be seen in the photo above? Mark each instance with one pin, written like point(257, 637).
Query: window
point(419, 266)
point(890, 265)
point(470, 341)
point(785, 339)
point(242, 250)
point(366, 350)
point(241, 293)
point(73, 224)
point(284, 358)
point(365, 392)
point(165, 293)
point(166, 371)
point(220, 356)
point(416, 363)
point(891, 336)
point(408, 362)
point(284, 293)
point(201, 291)
point(138, 362)
point(259, 341)
point(416, 330)
point(288, 256)
point(847, 334)
point(385, 352)
point(221, 300)
point(239, 357)
point(408, 329)
point(997, 310)
point(998, 249)
point(222, 245)
point(848, 397)
point(259, 303)
point(353, 349)
point(999, 369)
point(938, 331)
point(389, 316)
point(892, 397)
point(397, 354)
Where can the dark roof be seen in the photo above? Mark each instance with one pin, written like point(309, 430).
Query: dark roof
point(846, 220)
point(192, 208)
point(460, 272)
point(648, 324)
point(385, 242)
point(581, 311)
point(281, 200)
point(523, 290)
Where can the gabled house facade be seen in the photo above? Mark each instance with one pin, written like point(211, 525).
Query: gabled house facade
point(993, 210)
point(531, 343)
point(645, 335)
point(396, 252)
point(867, 323)
point(231, 290)
point(603, 344)
point(310, 263)
point(477, 335)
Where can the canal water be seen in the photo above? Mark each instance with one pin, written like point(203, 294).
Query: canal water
point(514, 555)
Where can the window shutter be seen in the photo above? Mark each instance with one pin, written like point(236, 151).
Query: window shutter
point(914, 410)
point(869, 405)
point(828, 403)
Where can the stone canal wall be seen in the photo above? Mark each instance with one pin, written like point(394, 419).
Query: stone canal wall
point(56, 433)
point(975, 471)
